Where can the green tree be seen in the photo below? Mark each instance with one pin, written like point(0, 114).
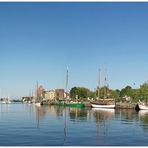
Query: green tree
point(127, 91)
point(73, 92)
point(115, 94)
point(81, 92)
point(135, 95)
point(143, 92)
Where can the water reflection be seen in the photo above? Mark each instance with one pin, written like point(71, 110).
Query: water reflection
point(77, 114)
point(4, 108)
point(126, 115)
point(143, 113)
point(143, 117)
point(74, 126)
point(40, 114)
point(102, 117)
point(59, 111)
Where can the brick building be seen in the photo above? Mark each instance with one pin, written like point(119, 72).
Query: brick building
point(41, 91)
point(59, 94)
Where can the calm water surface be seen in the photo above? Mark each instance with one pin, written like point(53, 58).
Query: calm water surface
point(29, 125)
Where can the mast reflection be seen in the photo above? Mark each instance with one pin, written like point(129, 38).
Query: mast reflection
point(102, 117)
point(77, 114)
point(40, 113)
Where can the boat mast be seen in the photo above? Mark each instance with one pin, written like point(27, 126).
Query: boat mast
point(99, 84)
point(66, 81)
point(36, 90)
point(105, 87)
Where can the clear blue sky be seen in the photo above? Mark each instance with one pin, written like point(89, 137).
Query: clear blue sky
point(39, 40)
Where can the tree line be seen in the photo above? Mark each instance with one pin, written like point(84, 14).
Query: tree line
point(135, 95)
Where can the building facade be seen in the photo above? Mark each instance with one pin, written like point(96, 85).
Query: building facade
point(59, 94)
point(40, 91)
point(50, 95)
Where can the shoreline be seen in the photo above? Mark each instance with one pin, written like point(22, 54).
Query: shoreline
point(119, 105)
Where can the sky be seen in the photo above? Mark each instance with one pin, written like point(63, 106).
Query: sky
point(38, 40)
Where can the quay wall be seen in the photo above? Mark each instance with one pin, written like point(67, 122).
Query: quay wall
point(126, 105)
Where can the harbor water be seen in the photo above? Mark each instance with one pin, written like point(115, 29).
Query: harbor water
point(30, 125)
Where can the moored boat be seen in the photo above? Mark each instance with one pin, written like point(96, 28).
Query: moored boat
point(142, 106)
point(105, 102)
point(103, 106)
point(68, 102)
point(5, 100)
point(37, 100)
point(74, 104)
point(38, 104)
point(59, 103)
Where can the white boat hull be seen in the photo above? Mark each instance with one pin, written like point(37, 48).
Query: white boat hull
point(143, 107)
point(103, 106)
point(38, 104)
point(112, 110)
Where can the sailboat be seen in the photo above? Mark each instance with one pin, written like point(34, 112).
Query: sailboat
point(68, 102)
point(105, 102)
point(37, 102)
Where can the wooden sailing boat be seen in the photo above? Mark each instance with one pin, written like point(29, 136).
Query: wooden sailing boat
point(105, 102)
